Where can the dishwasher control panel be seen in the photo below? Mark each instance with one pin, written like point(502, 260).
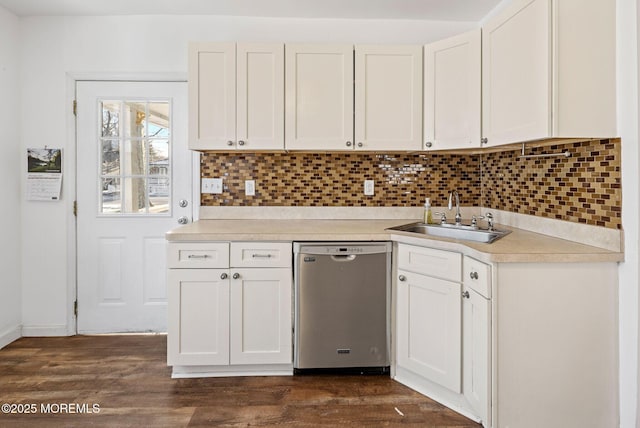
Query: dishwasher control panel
point(330, 248)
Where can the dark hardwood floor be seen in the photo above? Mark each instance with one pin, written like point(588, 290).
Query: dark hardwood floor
point(124, 382)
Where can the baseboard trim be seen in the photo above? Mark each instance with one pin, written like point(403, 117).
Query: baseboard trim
point(45, 330)
point(10, 335)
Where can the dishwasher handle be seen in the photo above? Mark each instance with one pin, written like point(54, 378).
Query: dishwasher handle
point(343, 257)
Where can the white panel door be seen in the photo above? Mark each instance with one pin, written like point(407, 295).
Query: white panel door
point(260, 96)
point(319, 97)
point(388, 97)
point(261, 316)
point(429, 318)
point(212, 96)
point(516, 73)
point(134, 173)
point(199, 317)
point(452, 92)
point(476, 346)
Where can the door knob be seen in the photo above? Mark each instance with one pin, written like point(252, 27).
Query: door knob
point(183, 220)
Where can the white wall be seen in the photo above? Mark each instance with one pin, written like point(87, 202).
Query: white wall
point(628, 97)
point(54, 46)
point(10, 316)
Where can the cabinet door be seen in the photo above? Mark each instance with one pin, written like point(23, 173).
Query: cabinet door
point(198, 317)
point(429, 328)
point(260, 98)
point(476, 346)
point(261, 316)
point(388, 97)
point(319, 97)
point(516, 73)
point(212, 95)
point(452, 94)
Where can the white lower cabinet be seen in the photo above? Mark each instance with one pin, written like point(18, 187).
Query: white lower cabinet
point(476, 338)
point(429, 331)
point(260, 327)
point(231, 320)
point(443, 328)
point(198, 332)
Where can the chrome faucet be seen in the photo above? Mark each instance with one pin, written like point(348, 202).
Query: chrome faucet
point(458, 217)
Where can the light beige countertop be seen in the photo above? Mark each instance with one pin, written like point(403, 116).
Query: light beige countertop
point(520, 246)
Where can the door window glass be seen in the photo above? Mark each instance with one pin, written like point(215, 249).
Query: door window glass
point(135, 161)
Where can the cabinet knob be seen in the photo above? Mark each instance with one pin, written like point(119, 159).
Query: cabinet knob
point(183, 220)
point(484, 140)
point(241, 143)
point(348, 143)
point(360, 144)
point(236, 275)
point(428, 144)
point(229, 143)
point(402, 278)
point(473, 275)
point(224, 276)
point(465, 294)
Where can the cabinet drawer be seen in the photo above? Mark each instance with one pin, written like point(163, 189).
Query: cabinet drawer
point(477, 276)
point(427, 261)
point(261, 254)
point(210, 255)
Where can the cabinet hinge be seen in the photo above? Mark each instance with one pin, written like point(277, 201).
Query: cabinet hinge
point(75, 208)
point(75, 308)
point(75, 107)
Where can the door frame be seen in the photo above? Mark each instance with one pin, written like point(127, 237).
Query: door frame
point(70, 167)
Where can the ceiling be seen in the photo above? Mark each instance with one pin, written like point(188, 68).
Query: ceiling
point(440, 10)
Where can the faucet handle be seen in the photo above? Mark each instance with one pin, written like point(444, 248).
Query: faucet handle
point(489, 218)
point(474, 220)
point(443, 217)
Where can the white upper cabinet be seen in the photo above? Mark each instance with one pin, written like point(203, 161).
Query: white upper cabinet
point(236, 96)
point(319, 97)
point(388, 97)
point(260, 96)
point(548, 70)
point(212, 95)
point(452, 92)
point(321, 87)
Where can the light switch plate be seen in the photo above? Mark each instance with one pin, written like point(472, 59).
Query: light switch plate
point(211, 185)
point(250, 187)
point(368, 187)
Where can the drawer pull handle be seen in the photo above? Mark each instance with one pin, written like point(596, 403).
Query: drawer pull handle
point(198, 256)
point(236, 275)
point(261, 256)
point(465, 295)
point(474, 275)
point(224, 276)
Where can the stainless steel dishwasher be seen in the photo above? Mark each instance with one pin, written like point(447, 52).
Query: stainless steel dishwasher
point(342, 306)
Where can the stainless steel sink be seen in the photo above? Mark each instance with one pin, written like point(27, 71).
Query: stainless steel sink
point(447, 230)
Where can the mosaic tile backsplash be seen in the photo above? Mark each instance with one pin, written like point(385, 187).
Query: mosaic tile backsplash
point(583, 188)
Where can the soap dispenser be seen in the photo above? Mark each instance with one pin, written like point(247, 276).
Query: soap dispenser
point(428, 217)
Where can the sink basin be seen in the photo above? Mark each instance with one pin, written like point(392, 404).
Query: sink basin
point(463, 232)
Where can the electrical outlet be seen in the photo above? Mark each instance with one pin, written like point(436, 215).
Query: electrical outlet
point(211, 185)
point(368, 187)
point(250, 187)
